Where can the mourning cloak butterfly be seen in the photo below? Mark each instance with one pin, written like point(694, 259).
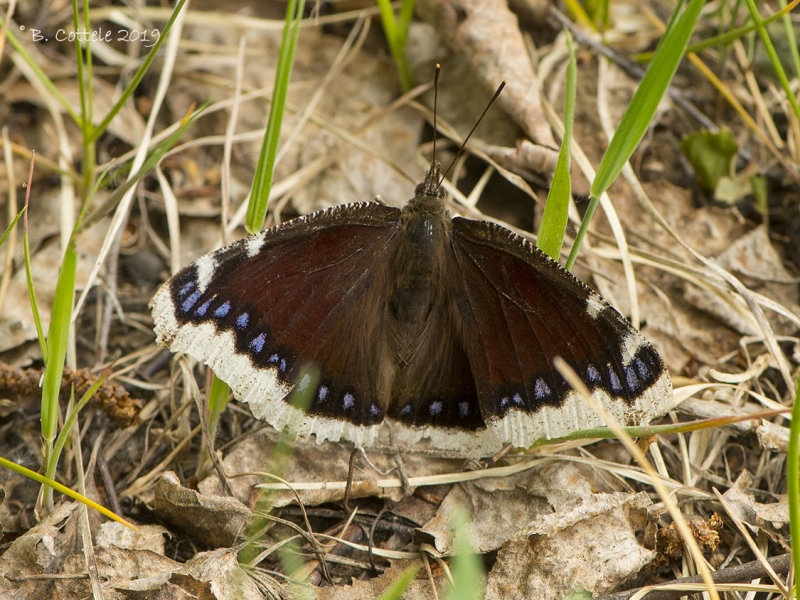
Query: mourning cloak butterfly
point(443, 328)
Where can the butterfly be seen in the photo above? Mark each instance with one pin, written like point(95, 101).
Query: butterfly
point(410, 320)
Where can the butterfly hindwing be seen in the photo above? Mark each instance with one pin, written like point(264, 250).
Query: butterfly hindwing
point(434, 394)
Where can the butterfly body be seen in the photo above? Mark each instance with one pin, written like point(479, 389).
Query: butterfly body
point(417, 263)
point(443, 328)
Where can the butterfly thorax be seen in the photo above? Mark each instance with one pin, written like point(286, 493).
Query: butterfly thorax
point(417, 262)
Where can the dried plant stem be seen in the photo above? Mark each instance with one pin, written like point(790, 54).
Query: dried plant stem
point(739, 573)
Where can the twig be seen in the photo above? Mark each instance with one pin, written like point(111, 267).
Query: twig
point(739, 573)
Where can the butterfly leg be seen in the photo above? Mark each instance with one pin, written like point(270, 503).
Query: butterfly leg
point(372, 537)
point(349, 487)
point(405, 484)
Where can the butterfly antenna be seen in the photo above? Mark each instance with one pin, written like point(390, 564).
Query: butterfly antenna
point(435, 103)
point(471, 131)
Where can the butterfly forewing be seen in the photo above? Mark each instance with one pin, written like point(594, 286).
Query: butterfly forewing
point(290, 306)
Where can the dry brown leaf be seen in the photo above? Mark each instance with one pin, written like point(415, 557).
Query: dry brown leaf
point(539, 502)
point(220, 574)
point(595, 554)
point(752, 258)
point(487, 35)
point(128, 124)
point(35, 552)
point(149, 537)
point(215, 521)
point(755, 514)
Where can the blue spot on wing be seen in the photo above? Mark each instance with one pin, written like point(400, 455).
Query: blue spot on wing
point(257, 345)
point(203, 308)
point(187, 288)
point(631, 378)
point(541, 389)
point(241, 321)
point(641, 368)
point(222, 309)
point(616, 384)
point(190, 301)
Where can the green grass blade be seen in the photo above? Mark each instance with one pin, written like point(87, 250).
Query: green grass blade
point(790, 36)
point(793, 482)
point(404, 18)
point(57, 341)
point(83, 61)
point(387, 20)
point(57, 336)
point(262, 180)
point(69, 421)
point(399, 586)
point(730, 35)
point(294, 567)
point(645, 100)
point(218, 395)
point(598, 12)
point(11, 227)
point(579, 14)
point(640, 111)
point(396, 32)
point(773, 57)
point(556, 209)
point(467, 566)
point(25, 472)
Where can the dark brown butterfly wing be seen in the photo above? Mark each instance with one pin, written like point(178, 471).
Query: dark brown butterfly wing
point(520, 309)
point(291, 306)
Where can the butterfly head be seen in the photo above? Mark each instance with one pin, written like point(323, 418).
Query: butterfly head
point(429, 194)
